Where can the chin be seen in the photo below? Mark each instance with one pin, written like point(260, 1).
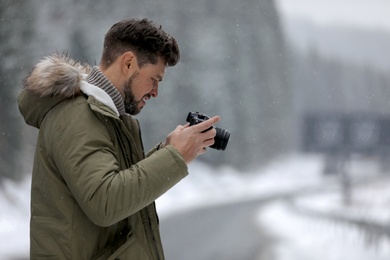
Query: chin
point(138, 111)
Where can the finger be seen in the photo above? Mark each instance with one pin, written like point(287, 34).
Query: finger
point(209, 142)
point(206, 124)
point(181, 127)
point(209, 134)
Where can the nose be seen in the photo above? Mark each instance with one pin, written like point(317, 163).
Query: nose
point(154, 91)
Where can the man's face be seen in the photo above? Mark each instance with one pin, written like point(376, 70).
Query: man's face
point(142, 85)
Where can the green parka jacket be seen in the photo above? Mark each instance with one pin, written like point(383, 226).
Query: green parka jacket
point(93, 190)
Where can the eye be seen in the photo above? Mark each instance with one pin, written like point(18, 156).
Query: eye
point(155, 82)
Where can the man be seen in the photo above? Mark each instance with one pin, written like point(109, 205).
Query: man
point(93, 190)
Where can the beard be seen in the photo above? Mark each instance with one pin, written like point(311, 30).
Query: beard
point(131, 105)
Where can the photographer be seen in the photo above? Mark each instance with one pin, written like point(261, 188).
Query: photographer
point(93, 189)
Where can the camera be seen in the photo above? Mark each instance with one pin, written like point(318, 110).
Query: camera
point(222, 137)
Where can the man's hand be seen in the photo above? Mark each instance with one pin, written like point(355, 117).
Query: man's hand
point(190, 141)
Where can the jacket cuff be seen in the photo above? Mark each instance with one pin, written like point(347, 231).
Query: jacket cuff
point(154, 149)
point(178, 157)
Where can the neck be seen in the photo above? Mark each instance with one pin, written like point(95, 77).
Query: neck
point(113, 74)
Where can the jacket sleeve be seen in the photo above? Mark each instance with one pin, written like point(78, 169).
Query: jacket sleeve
point(154, 149)
point(86, 158)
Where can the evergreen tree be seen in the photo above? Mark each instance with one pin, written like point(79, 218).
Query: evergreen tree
point(16, 24)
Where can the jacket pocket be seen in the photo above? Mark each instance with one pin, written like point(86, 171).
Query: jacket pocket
point(131, 249)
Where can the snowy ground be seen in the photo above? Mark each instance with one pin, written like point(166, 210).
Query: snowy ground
point(14, 219)
point(299, 237)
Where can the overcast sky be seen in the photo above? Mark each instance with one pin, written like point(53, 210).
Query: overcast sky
point(362, 13)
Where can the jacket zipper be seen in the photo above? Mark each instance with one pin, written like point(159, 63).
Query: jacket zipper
point(153, 237)
point(146, 208)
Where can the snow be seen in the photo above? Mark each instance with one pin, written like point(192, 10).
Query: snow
point(308, 237)
point(305, 238)
point(14, 219)
point(206, 186)
point(299, 236)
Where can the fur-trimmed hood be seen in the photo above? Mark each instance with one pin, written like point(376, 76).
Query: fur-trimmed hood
point(53, 80)
point(56, 75)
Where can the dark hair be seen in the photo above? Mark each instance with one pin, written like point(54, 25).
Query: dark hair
point(147, 40)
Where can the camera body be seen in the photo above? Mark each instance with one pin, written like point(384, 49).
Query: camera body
point(221, 138)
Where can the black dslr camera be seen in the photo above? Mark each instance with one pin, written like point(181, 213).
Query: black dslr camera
point(222, 137)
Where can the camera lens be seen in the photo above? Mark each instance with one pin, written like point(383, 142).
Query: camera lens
point(221, 139)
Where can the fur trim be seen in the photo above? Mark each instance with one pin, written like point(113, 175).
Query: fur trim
point(56, 75)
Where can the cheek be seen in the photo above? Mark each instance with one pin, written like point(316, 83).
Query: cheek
point(140, 89)
point(145, 87)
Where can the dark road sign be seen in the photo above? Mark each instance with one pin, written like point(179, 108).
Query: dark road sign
point(329, 133)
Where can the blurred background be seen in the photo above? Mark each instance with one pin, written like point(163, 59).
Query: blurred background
point(303, 87)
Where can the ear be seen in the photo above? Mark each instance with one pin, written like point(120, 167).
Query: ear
point(129, 63)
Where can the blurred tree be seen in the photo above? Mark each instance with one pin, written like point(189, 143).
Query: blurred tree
point(235, 63)
point(78, 48)
point(16, 24)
